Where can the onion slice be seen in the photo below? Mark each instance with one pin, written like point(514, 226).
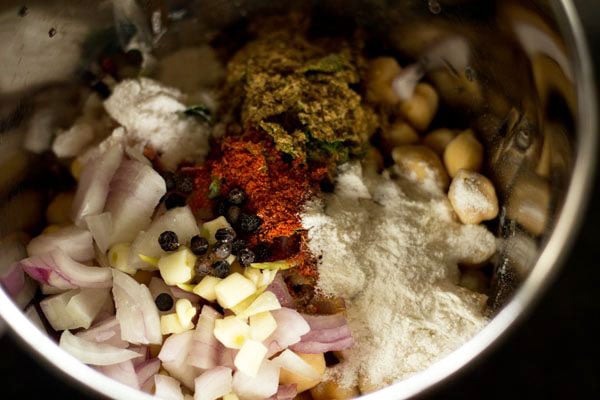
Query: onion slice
point(135, 191)
point(145, 373)
point(214, 383)
point(107, 331)
point(136, 311)
point(75, 308)
point(60, 271)
point(100, 227)
point(318, 347)
point(167, 388)
point(94, 353)
point(174, 355)
point(12, 278)
point(205, 348)
point(262, 386)
point(94, 184)
point(75, 242)
point(291, 326)
point(123, 372)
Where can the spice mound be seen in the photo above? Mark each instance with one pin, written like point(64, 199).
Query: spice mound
point(401, 245)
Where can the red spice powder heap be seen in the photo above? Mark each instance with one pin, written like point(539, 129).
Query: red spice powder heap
point(276, 189)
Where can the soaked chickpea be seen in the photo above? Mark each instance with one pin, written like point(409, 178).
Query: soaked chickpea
point(398, 134)
point(421, 108)
point(464, 152)
point(59, 210)
point(420, 164)
point(381, 72)
point(438, 139)
point(473, 197)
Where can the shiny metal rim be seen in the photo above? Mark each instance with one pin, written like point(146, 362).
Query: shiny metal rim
point(541, 277)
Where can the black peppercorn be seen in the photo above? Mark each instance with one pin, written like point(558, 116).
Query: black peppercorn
point(173, 200)
point(222, 249)
point(168, 241)
point(250, 222)
point(237, 246)
point(221, 269)
point(246, 256)
point(225, 235)
point(198, 245)
point(202, 267)
point(236, 196)
point(164, 302)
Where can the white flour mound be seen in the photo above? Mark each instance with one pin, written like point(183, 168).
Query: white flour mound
point(152, 114)
point(392, 253)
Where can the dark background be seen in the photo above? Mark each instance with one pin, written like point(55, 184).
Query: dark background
point(554, 353)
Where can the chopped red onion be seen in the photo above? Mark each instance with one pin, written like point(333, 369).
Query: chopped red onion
point(12, 278)
point(327, 335)
point(107, 331)
point(94, 184)
point(319, 322)
point(318, 347)
point(291, 326)
point(280, 290)
point(227, 358)
point(94, 353)
point(100, 227)
point(262, 386)
point(285, 392)
point(173, 355)
point(180, 220)
point(59, 270)
point(295, 364)
point(206, 349)
point(143, 351)
point(212, 384)
point(75, 242)
point(135, 191)
point(122, 372)
point(167, 388)
point(74, 309)
point(145, 373)
point(136, 311)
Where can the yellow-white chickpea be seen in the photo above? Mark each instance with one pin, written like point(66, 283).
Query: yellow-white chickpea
point(399, 133)
point(473, 197)
point(330, 390)
point(76, 168)
point(463, 152)
point(59, 209)
point(381, 71)
point(473, 279)
point(438, 139)
point(420, 164)
point(421, 108)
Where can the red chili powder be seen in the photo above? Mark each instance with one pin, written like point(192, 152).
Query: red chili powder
point(276, 189)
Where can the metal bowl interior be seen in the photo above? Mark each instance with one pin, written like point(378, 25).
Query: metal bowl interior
point(518, 72)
